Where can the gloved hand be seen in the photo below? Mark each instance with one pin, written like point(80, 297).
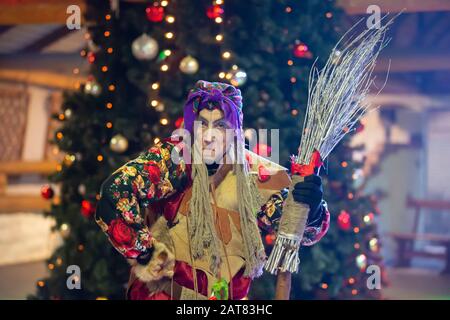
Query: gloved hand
point(159, 262)
point(310, 192)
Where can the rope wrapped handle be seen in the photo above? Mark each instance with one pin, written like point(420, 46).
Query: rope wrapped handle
point(284, 256)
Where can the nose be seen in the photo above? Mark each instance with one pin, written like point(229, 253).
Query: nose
point(208, 136)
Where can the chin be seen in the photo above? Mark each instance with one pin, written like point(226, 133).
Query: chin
point(210, 158)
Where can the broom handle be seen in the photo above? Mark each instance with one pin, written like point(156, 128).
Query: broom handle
point(283, 288)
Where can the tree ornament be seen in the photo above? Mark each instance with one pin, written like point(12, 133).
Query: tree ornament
point(118, 143)
point(189, 65)
point(374, 245)
point(93, 88)
point(238, 78)
point(87, 208)
point(361, 261)
point(344, 221)
point(301, 50)
point(144, 47)
point(214, 11)
point(47, 192)
point(155, 13)
point(64, 230)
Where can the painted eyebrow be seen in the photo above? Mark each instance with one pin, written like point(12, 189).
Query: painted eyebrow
point(222, 121)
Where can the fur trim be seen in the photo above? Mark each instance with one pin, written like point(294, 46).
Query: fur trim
point(161, 264)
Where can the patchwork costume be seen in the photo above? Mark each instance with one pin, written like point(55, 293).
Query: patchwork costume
point(194, 233)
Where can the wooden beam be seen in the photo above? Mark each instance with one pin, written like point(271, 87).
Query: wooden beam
point(354, 7)
point(23, 203)
point(27, 167)
point(46, 40)
point(42, 78)
point(37, 11)
point(413, 62)
point(4, 28)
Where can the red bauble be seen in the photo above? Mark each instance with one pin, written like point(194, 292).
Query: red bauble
point(155, 13)
point(214, 11)
point(179, 122)
point(344, 221)
point(91, 57)
point(47, 192)
point(87, 208)
point(301, 50)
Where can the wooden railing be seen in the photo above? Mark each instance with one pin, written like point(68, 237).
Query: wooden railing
point(26, 202)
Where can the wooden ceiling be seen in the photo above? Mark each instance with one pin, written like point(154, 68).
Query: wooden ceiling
point(36, 28)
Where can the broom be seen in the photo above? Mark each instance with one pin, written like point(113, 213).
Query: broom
point(336, 101)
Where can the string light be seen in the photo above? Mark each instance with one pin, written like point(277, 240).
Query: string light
point(218, 20)
point(167, 52)
point(154, 103)
point(344, 164)
point(99, 158)
point(41, 283)
point(164, 3)
point(290, 62)
point(104, 68)
point(59, 135)
point(226, 55)
point(294, 112)
point(76, 71)
point(293, 80)
point(324, 286)
point(155, 86)
point(164, 67)
point(169, 35)
point(356, 230)
point(109, 105)
point(51, 266)
point(110, 50)
point(170, 19)
point(222, 75)
point(156, 140)
point(108, 17)
point(61, 116)
point(111, 87)
point(109, 125)
point(164, 121)
point(107, 34)
point(288, 10)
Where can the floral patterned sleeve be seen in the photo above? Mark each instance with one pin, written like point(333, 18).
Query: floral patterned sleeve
point(132, 187)
point(270, 214)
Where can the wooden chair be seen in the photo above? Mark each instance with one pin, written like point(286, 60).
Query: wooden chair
point(406, 241)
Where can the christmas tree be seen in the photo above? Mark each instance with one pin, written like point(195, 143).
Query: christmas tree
point(144, 57)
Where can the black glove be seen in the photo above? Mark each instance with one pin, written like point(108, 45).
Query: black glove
point(310, 192)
